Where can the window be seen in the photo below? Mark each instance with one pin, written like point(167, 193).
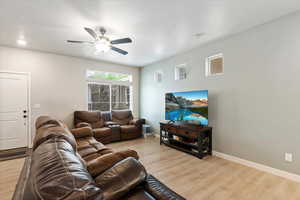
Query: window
point(109, 91)
point(158, 76)
point(98, 97)
point(120, 97)
point(108, 76)
point(180, 72)
point(214, 65)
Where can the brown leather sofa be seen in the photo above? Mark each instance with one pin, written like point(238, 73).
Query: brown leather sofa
point(97, 157)
point(110, 126)
point(75, 166)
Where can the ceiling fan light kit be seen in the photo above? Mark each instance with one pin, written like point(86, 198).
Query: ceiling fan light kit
point(102, 43)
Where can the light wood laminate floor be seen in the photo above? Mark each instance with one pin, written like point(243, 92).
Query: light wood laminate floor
point(9, 174)
point(209, 179)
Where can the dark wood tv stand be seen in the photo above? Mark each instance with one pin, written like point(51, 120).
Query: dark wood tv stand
point(190, 138)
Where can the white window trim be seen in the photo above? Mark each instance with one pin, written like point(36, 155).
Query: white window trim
point(109, 82)
point(207, 65)
point(125, 83)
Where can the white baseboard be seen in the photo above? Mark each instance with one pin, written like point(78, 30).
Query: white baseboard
point(277, 172)
point(261, 167)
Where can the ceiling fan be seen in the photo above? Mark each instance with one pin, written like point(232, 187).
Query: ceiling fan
point(103, 43)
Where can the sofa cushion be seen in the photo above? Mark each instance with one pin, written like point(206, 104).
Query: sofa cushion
point(128, 129)
point(99, 132)
point(58, 173)
point(121, 117)
point(89, 148)
point(104, 162)
point(103, 135)
point(121, 178)
point(93, 118)
point(82, 132)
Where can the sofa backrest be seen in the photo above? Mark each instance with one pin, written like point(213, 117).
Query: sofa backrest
point(121, 117)
point(47, 127)
point(57, 172)
point(93, 118)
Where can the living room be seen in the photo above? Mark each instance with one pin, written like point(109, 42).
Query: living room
point(94, 88)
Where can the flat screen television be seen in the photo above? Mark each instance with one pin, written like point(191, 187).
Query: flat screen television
point(191, 106)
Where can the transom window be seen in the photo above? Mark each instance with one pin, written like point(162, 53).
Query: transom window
point(109, 91)
point(214, 65)
point(108, 76)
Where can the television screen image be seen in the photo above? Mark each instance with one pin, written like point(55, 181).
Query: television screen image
point(188, 106)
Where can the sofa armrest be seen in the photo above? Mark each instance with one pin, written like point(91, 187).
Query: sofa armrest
point(83, 124)
point(159, 190)
point(121, 178)
point(82, 132)
point(110, 123)
point(137, 122)
point(104, 162)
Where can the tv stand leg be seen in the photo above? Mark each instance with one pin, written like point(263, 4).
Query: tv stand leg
point(160, 136)
point(210, 142)
point(200, 153)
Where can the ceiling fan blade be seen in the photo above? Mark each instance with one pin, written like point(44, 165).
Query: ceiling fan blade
point(79, 42)
point(119, 50)
point(91, 32)
point(121, 41)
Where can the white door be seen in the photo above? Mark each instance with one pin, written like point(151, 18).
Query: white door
point(13, 110)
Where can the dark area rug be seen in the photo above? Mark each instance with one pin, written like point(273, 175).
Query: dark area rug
point(14, 153)
point(20, 187)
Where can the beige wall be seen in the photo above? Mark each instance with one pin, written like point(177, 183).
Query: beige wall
point(58, 82)
point(254, 107)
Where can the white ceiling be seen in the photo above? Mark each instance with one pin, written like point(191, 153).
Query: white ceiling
point(159, 28)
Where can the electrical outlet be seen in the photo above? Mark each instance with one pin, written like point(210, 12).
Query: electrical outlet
point(288, 157)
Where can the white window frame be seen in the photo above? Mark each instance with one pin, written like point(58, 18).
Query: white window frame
point(177, 74)
point(110, 83)
point(208, 65)
point(158, 76)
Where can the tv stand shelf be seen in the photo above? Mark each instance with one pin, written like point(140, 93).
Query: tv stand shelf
point(190, 138)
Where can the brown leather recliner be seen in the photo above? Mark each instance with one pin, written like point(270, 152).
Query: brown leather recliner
point(94, 120)
point(56, 170)
point(130, 128)
point(97, 156)
point(104, 125)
